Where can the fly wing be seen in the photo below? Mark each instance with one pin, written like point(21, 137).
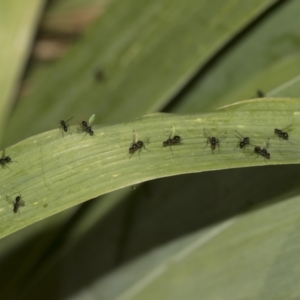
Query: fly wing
point(92, 119)
point(287, 128)
point(172, 132)
point(240, 136)
point(206, 134)
point(21, 203)
point(135, 137)
point(266, 144)
point(222, 134)
point(69, 119)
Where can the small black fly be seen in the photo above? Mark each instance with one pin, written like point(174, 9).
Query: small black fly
point(262, 151)
point(172, 140)
point(244, 141)
point(4, 160)
point(87, 126)
point(282, 134)
point(64, 126)
point(136, 144)
point(213, 141)
point(99, 75)
point(260, 94)
point(17, 203)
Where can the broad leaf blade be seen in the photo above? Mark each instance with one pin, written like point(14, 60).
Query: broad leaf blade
point(254, 256)
point(17, 28)
point(263, 59)
point(130, 53)
point(83, 167)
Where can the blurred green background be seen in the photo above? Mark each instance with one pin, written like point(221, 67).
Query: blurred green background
point(217, 235)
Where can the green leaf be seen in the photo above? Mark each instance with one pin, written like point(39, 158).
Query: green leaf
point(54, 172)
point(63, 237)
point(290, 88)
point(263, 59)
point(104, 47)
point(17, 28)
point(254, 256)
point(130, 53)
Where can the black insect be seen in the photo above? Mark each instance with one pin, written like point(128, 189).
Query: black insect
point(99, 75)
point(64, 124)
point(17, 203)
point(87, 126)
point(213, 141)
point(265, 153)
point(244, 141)
point(260, 94)
point(4, 160)
point(282, 134)
point(262, 151)
point(136, 144)
point(172, 140)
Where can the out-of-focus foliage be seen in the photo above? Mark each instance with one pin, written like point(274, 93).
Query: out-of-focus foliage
point(120, 60)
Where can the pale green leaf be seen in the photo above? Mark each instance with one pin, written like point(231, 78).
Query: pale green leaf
point(54, 172)
point(146, 57)
point(254, 256)
point(291, 88)
point(17, 28)
point(263, 59)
